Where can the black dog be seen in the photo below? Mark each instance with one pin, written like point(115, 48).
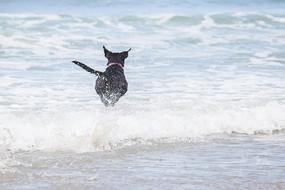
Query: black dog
point(111, 84)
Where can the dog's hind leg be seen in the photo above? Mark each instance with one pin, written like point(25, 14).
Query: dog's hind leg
point(114, 99)
point(104, 101)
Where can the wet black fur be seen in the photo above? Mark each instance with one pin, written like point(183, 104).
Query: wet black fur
point(111, 84)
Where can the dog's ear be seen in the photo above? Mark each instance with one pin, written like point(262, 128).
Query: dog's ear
point(107, 52)
point(125, 53)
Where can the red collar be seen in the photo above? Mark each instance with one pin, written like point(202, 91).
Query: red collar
point(110, 64)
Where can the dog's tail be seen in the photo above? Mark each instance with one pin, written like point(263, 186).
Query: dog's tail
point(88, 69)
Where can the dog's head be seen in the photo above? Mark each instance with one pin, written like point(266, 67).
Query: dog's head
point(116, 57)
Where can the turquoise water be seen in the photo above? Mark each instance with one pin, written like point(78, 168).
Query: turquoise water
point(206, 95)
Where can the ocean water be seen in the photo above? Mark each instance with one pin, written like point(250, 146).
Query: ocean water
point(205, 107)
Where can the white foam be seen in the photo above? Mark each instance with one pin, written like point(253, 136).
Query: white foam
point(95, 129)
point(61, 37)
point(265, 58)
point(276, 19)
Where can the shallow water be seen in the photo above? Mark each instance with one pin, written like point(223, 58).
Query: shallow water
point(230, 162)
point(205, 106)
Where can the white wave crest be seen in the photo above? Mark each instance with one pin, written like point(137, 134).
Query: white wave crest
point(92, 130)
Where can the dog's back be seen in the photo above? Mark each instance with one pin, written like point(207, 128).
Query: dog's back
point(111, 85)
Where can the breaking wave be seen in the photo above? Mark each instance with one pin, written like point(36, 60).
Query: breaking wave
point(95, 129)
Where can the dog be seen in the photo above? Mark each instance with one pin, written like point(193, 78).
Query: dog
point(111, 84)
